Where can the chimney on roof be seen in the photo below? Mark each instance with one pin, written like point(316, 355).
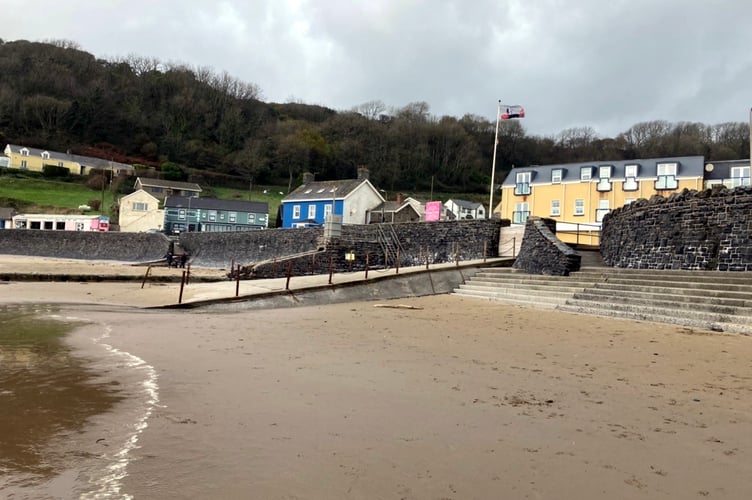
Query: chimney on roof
point(307, 177)
point(363, 173)
point(400, 198)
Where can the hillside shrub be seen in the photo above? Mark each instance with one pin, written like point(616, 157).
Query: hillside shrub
point(54, 171)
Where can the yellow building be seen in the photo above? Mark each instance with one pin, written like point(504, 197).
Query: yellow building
point(578, 195)
point(34, 160)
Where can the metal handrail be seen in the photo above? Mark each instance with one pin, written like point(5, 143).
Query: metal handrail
point(583, 228)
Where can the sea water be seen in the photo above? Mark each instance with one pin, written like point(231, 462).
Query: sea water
point(69, 417)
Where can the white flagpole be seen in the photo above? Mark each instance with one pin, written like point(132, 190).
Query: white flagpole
point(493, 167)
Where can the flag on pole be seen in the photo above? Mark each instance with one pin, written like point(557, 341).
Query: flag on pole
point(507, 112)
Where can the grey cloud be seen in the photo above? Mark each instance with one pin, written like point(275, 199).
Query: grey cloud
point(607, 65)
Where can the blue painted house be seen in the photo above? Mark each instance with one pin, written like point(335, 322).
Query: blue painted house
point(311, 202)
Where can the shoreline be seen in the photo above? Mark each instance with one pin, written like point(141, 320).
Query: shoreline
point(434, 397)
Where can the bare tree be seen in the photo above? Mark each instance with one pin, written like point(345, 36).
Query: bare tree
point(370, 109)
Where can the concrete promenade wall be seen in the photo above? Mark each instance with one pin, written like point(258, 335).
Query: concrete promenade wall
point(691, 230)
point(415, 283)
point(130, 247)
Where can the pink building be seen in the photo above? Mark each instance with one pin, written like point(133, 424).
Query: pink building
point(61, 222)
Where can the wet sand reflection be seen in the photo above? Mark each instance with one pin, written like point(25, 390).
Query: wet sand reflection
point(45, 391)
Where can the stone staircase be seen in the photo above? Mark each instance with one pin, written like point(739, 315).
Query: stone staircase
point(711, 300)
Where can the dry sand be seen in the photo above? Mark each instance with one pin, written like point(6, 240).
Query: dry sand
point(455, 398)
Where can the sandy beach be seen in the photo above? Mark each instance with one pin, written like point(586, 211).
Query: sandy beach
point(427, 398)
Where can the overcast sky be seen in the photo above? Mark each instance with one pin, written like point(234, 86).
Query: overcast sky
point(570, 63)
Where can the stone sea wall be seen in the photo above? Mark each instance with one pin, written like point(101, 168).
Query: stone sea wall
point(691, 230)
point(420, 241)
point(543, 253)
point(130, 247)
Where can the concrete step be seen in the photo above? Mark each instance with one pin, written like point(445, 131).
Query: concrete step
point(712, 300)
point(682, 301)
point(533, 284)
point(531, 295)
point(743, 328)
point(718, 276)
point(668, 309)
point(670, 288)
point(527, 301)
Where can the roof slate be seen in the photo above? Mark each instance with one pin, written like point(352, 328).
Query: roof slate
point(470, 205)
point(83, 160)
point(7, 212)
point(256, 207)
point(322, 190)
point(690, 166)
point(183, 186)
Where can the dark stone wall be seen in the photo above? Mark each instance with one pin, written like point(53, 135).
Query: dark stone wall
point(543, 253)
point(435, 241)
point(691, 230)
point(130, 247)
point(245, 247)
point(421, 242)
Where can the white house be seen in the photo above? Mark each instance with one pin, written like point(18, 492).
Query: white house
point(139, 211)
point(462, 209)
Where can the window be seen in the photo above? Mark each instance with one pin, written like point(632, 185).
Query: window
point(24, 166)
point(139, 206)
point(666, 176)
point(296, 211)
point(232, 216)
point(627, 201)
point(59, 164)
point(586, 173)
point(739, 176)
point(327, 210)
point(630, 178)
point(45, 155)
point(522, 183)
point(604, 178)
point(181, 214)
point(24, 152)
point(252, 218)
point(555, 208)
point(212, 215)
point(521, 213)
point(579, 206)
point(156, 190)
point(221, 216)
point(556, 175)
point(311, 211)
point(603, 209)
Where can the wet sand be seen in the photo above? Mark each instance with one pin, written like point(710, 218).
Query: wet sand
point(452, 398)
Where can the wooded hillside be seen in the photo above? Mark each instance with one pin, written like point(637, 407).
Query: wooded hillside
point(140, 110)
